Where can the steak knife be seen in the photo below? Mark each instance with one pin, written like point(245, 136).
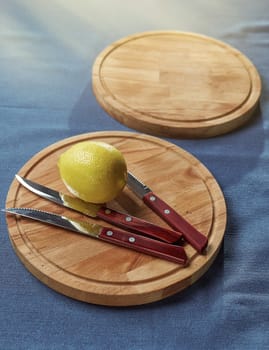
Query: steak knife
point(121, 220)
point(168, 214)
point(122, 238)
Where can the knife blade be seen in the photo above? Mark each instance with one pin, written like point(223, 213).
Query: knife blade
point(198, 240)
point(118, 237)
point(111, 216)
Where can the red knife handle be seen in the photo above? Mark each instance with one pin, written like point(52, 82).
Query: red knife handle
point(144, 245)
point(191, 235)
point(135, 224)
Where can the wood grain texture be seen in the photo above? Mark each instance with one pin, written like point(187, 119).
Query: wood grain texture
point(97, 272)
point(176, 84)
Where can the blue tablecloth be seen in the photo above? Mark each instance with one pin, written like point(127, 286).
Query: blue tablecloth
point(46, 55)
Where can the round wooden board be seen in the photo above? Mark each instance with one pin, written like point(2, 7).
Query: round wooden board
point(97, 272)
point(176, 84)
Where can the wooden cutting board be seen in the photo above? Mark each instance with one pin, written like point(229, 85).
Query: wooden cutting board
point(97, 272)
point(176, 84)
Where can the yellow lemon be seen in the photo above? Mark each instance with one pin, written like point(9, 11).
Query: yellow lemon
point(93, 171)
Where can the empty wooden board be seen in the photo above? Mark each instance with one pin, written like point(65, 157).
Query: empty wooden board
point(176, 84)
point(97, 272)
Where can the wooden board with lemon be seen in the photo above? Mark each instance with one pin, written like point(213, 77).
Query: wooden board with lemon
point(97, 272)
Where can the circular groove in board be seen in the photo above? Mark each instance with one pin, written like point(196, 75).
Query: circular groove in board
point(97, 272)
point(176, 84)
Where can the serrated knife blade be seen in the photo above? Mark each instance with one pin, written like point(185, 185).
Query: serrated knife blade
point(111, 235)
